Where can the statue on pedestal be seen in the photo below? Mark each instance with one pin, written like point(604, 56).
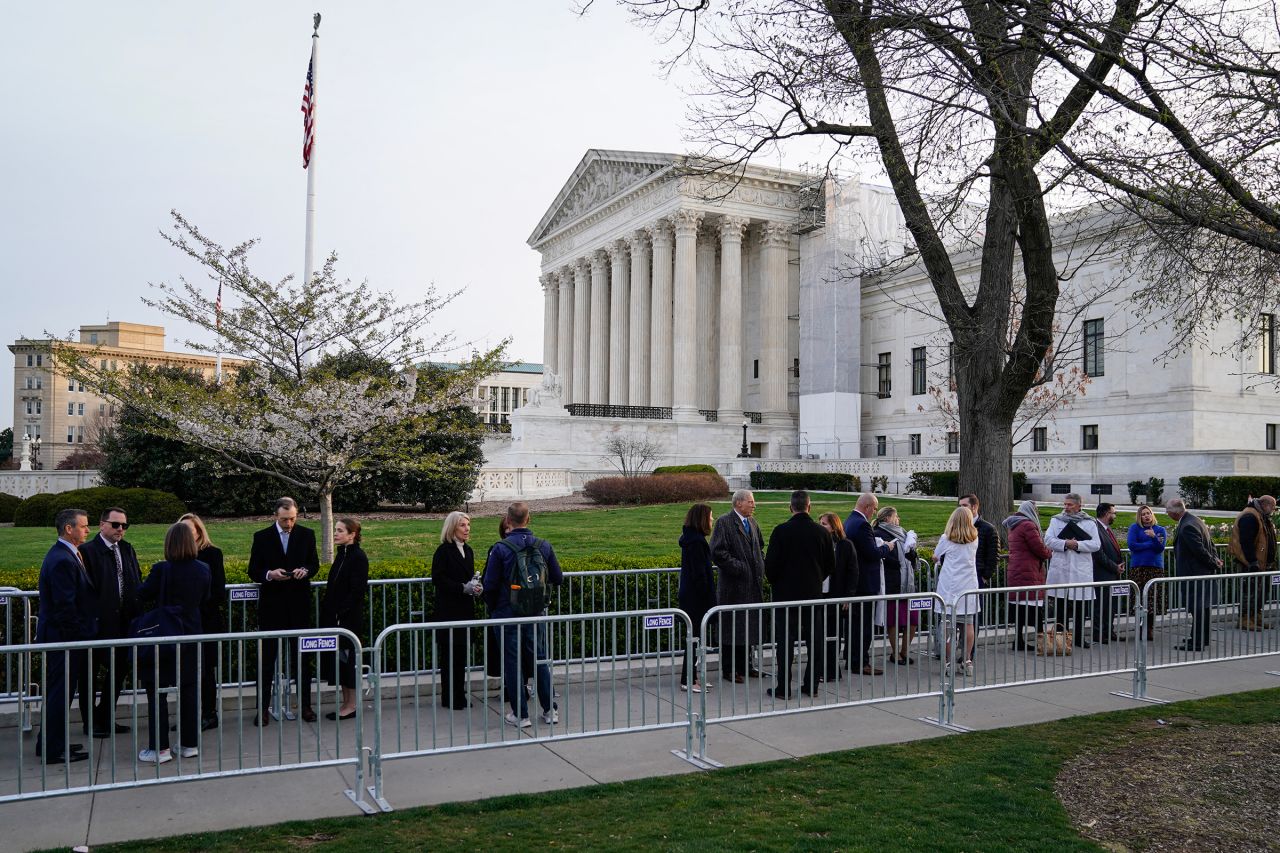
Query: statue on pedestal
point(24, 461)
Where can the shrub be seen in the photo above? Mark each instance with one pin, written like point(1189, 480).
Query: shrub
point(1155, 491)
point(1234, 492)
point(1019, 485)
point(656, 489)
point(144, 506)
point(935, 483)
point(880, 483)
point(1136, 487)
point(699, 468)
point(787, 481)
point(83, 459)
point(1196, 490)
point(8, 504)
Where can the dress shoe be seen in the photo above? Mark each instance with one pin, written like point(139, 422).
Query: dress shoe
point(72, 748)
point(209, 723)
point(263, 719)
point(308, 715)
point(1084, 644)
point(871, 670)
point(778, 694)
point(120, 728)
point(736, 679)
point(67, 759)
point(1189, 646)
point(334, 715)
point(753, 673)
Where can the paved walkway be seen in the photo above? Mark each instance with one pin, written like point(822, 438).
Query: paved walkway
point(122, 815)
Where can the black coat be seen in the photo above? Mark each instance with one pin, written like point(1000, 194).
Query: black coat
point(285, 603)
point(988, 551)
point(739, 559)
point(344, 593)
point(799, 558)
point(893, 563)
point(844, 578)
point(114, 611)
point(186, 586)
point(870, 551)
point(697, 580)
point(449, 572)
point(1107, 560)
point(68, 607)
point(214, 615)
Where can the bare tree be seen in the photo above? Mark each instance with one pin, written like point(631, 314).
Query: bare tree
point(630, 454)
point(1013, 110)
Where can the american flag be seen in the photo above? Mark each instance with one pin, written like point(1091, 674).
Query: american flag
point(309, 109)
point(217, 309)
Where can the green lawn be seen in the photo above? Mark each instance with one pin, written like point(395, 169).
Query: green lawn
point(632, 537)
point(989, 791)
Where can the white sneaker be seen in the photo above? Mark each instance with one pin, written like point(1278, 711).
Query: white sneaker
point(968, 667)
point(518, 722)
point(189, 751)
point(551, 717)
point(149, 756)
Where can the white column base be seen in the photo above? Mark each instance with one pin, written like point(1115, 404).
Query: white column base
point(686, 414)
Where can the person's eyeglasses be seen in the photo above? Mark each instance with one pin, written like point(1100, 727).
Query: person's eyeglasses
point(119, 525)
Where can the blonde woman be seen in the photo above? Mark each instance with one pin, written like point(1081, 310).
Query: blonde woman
point(957, 555)
point(453, 568)
point(213, 619)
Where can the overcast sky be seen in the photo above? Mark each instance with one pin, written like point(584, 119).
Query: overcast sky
point(444, 132)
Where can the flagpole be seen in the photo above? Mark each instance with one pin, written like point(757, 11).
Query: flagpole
point(308, 265)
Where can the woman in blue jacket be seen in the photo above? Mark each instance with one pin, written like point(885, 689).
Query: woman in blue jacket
point(697, 582)
point(1146, 559)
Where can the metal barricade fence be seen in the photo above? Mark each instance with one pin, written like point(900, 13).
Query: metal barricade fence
point(1008, 630)
point(557, 677)
point(1211, 617)
point(793, 656)
point(17, 610)
point(128, 752)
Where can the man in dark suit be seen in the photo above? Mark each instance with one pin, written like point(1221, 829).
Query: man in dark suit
point(1194, 554)
point(1108, 563)
point(799, 558)
point(114, 572)
point(67, 614)
point(871, 550)
point(282, 560)
point(737, 550)
point(987, 557)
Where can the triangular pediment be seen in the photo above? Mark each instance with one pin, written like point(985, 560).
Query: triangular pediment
point(600, 177)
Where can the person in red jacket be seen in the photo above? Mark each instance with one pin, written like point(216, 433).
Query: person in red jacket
point(1027, 553)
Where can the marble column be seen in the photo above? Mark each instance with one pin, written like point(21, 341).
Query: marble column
point(564, 334)
point(550, 322)
point(775, 251)
point(730, 404)
point(684, 327)
point(708, 313)
point(638, 377)
point(619, 323)
point(581, 328)
point(598, 360)
point(661, 319)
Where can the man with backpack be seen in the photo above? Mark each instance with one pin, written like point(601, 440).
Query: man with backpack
point(516, 576)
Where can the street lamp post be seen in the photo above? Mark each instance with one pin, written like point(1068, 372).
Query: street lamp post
point(35, 453)
point(745, 453)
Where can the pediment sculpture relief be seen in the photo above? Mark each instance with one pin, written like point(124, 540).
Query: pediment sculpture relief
point(601, 181)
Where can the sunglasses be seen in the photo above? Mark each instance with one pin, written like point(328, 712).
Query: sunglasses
point(119, 525)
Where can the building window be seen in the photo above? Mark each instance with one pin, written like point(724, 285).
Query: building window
point(30, 383)
point(80, 387)
point(39, 361)
point(71, 408)
point(1093, 337)
point(882, 445)
point(102, 408)
point(1060, 488)
point(918, 383)
point(39, 383)
point(913, 444)
point(39, 406)
point(1040, 439)
point(1099, 488)
point(103, 364)
point(884, 375)
point(755, 369)
point(93, 337)
point(80, 409)
point(71, 385)
point(30, 361)
point(1267, 344)
point(795, 367)
point(113, 364)
point(1089, 437)
point(1271, 436)
point(953, 442)
point(29, 412)
point(80, 435)
point(71, 436)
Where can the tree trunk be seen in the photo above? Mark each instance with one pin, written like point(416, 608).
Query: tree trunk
point(986, 448)
point(326, 524)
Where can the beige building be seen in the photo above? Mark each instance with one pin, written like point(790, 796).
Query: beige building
point(62, 413)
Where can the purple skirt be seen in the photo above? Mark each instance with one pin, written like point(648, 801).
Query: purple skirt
point(898, 614)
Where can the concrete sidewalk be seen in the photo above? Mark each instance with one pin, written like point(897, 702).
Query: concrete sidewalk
point(123, 815)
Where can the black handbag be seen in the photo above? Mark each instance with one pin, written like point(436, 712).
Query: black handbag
point(164, 620)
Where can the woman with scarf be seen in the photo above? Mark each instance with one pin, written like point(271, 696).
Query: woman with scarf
point(899, 577)
point(1072, 538)
point(1027, 554)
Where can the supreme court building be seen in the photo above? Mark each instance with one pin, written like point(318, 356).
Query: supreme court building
point(680, 308)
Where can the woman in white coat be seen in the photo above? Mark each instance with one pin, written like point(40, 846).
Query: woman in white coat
point(957, 554)
point(1072, 538)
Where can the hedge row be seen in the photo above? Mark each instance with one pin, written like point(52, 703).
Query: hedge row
point(786, 481)
point(699, 468)
point(8, 506)
point(144, 506)
point(1230, 493)
point(656, 489)
point(947, 483)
